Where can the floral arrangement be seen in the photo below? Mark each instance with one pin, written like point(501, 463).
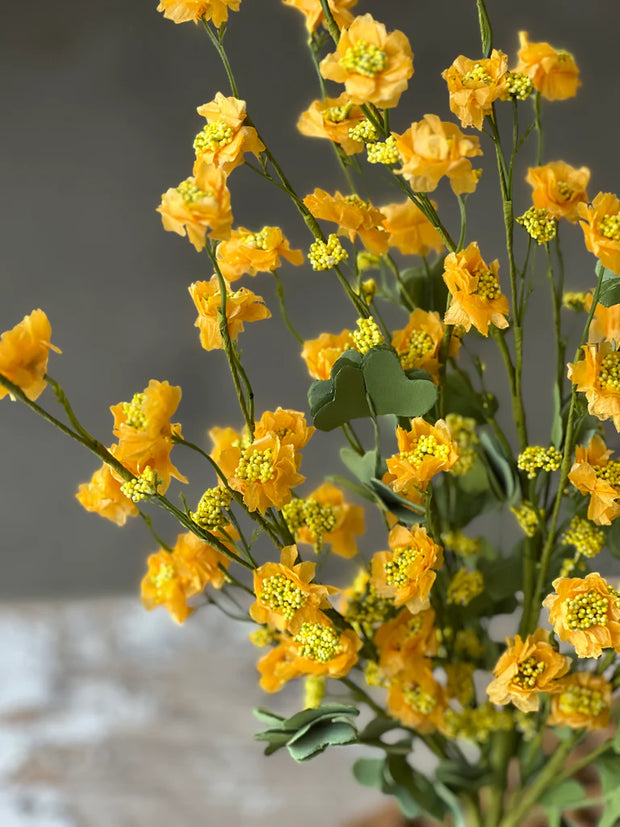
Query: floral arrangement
point(405, 654)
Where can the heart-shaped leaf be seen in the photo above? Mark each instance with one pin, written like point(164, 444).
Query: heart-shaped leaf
point(341, 398)
point(390, 390)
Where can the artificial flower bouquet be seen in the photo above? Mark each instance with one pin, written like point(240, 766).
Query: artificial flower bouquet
point(405, 653)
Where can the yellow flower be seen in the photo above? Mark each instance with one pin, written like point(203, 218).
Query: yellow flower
point(181, 11)
point(289, 426)
point(405, 638)
point(406, 573)
point(145, 433)
point(424, 451)
point(24, 351)
point(227, 447)
point(416, 699)
point(173, 578)
point(410, 230)
point(419, 343)
point(598, 376)
point(559, 188)
point(224, 139)
point(581, 701)
point(525, 669)
point(321, 354)
point(477, 298)
point(601, 229)
point(198, 204)
point(324, 517)
point(586, 613)
point(313, 11)
point(241, 306)
point(431, 149)
point(595, 474)
point(553, 72)
point(252, 253)
point(102, 495)
point(373, 65)
point(333, 118)
point(282, 589)
point(474, 85)
point(353, 216)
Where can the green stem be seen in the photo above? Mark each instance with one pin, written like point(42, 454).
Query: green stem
point(332, 26)
point(287, 320)
point(156, 537)
point(217, 39)
point(501, 752)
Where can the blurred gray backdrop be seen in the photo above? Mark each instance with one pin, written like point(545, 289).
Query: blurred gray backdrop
point(98, 115)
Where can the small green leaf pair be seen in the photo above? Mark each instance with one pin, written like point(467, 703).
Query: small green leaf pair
point(309, 732)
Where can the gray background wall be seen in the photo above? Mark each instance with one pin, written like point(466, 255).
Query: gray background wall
point(98, 114)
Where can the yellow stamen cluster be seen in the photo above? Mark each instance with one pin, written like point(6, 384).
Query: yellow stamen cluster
point(357, 201)
point(364, 59)
point(367, 335)
point(190, 191)
point(317, 642)
point(587, 610)
point(263, 636)
point(369, 289)
point(255, 466)
point(383, 152)
point(396, 569)
point(325, 255)
point(457, 542)
point(609, 226)
point(258, 241)
point(319, 518)
point(525, 515)
point(464, 586)
point(366, 608)
point(418, 699)
point(528, 672)
point(518, 85)
point(570, 565)
point(419, 344)
point(609, 472)
point(478, 723)
point(134, 415)
point(282, 595)
point(574, 301)
point(476, 76)
point(374, 675)
point(587, 537)
point(164, 575)
point(426, 445)
point(488, 286)
point(314, 691)
point(213, 136)
point(463, 432)
point(468, 645)
point(540, 224)
point(337, 114)
point(209, 511)
point(565, 190)
point(364, 131)
point(609, 372)
point(143, 486)
point(582, 700)
point(535, 458)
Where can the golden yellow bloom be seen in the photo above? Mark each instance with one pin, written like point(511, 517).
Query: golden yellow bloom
point(477, 297)
point(289, 426)
point(553, 72)
point(227, 447)
point(525, 669)
point(373, 65)
point(315, 16)
point(419, 343)
point(181, 11)
point(586, 613)
point(172, 578)
point(405, 638)
point(321, 354)
point(601, 229)
point(283, 588)
point(594, 473)
point(598, 376)
point(198, 204)
point(431, 149)
point(352, 215)
point(102, 495)
point(241, 306)
point(424, 451)
point(324, 517)
point(539, 224)
point(559, 188)
point(406, 573)
point(224, 140)
point(24, 351)
point(581, 701)
point(416, 699)
point(333, 118)
point(250, 253)
point(464, 587)
point(474, 85)
point(410, 230)
point(606, 321)
point(145, 433)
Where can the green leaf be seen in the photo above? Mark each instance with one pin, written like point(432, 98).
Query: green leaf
point(363, 467)
point(460, 776)
point(310, 731)
point(390, 390)
point(377, 727)
point(341, 398)
point(503, 576)
point(265, 716)
point(486, 32)
point(557, 428)
point(369, 772)
point(319, 737)
point(344, 482)
point(610, 288)
point(419, 788)
point(425, 290)
point(501, 466)
point(401, 508)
